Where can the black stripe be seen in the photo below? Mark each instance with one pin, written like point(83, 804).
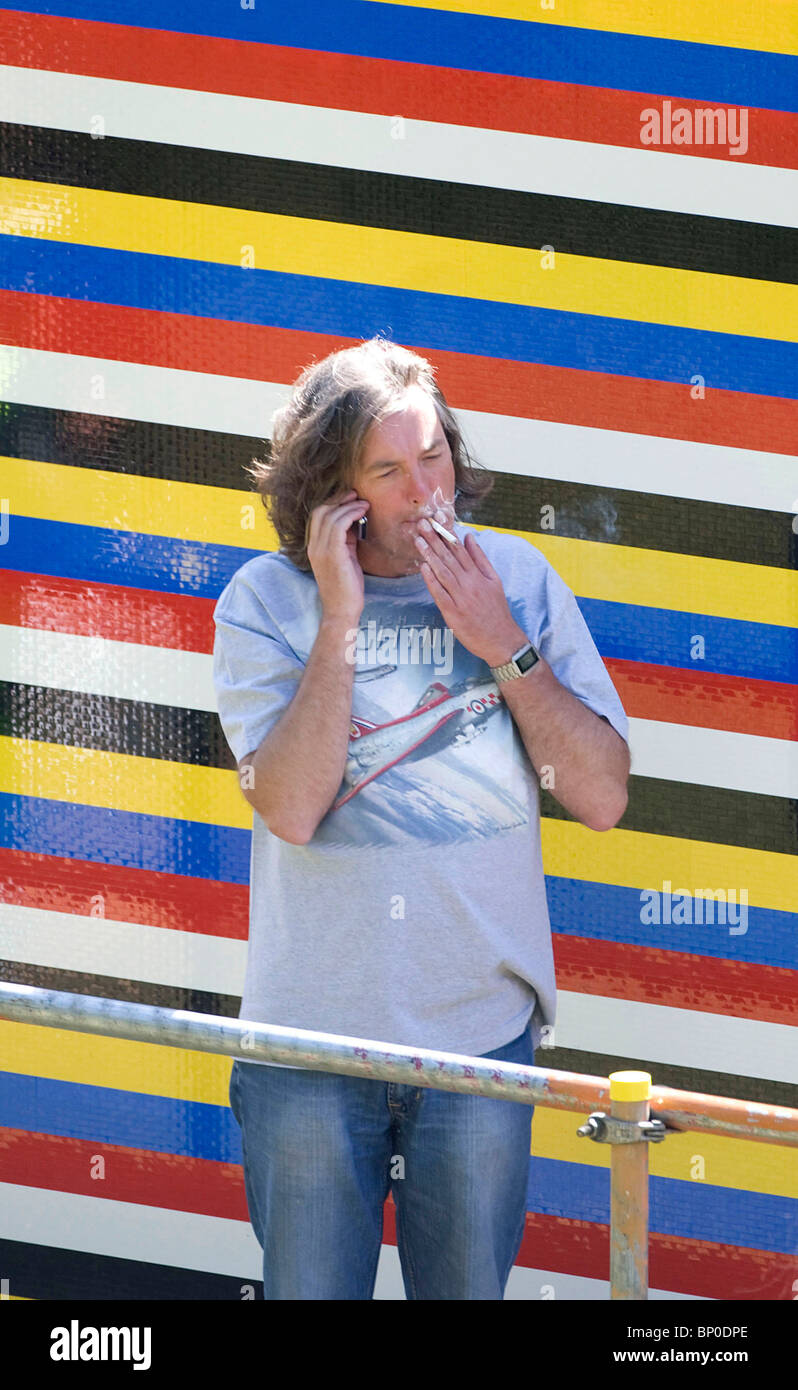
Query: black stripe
point(691, 811)
point(717, 1083)
point(432, 207)
point(143, 449)
point(199, 1001)
point(42, 1272)
point(708, 1083)
point(106, 723)
point(617, 516)
point(643, 520)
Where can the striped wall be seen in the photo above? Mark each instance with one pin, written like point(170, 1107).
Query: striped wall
point(189, 216)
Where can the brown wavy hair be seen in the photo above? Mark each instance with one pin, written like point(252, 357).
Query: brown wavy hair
point(318, 438)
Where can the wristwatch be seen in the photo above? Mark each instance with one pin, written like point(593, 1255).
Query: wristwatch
point(521, 661)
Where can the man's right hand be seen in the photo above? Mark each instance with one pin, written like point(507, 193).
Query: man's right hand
point(332, 552)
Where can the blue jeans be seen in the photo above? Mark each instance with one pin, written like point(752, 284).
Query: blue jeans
point(321, 1152)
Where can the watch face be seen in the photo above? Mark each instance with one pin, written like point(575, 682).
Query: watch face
point(527, 660)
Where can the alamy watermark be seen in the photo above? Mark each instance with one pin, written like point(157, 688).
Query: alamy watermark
point(410, 644)
point(703, 125)
point(683, 908)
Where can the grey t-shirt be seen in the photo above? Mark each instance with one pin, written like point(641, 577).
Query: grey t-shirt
point(417, 912)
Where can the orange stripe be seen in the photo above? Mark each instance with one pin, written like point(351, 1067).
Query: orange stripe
point(738, 704)
point(172, 901)
point(561, 110)
point(501, 386)
point(706, 700)
point(675, 979)
point(55, 603)
point(559, 1244)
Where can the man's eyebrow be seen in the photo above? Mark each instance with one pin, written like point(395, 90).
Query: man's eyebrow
point(387, 463)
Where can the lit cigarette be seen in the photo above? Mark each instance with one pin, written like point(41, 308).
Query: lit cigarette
point(447, 535)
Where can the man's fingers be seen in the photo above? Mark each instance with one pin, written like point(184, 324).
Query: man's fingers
point(324, 517)
point(479, 557)
point(452, 557)
point(435, 585)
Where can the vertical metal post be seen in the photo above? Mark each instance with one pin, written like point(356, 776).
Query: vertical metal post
point(630, 1093)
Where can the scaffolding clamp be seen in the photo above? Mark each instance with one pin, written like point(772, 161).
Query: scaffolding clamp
point(608, 1129)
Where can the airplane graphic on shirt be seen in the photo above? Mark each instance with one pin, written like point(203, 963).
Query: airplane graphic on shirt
point(442, 718)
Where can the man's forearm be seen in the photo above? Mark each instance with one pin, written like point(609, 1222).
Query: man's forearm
point(589, 760)
point(298, 767)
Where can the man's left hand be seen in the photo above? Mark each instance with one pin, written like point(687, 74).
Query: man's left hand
point(470, 596)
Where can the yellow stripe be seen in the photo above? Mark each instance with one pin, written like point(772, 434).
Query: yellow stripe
point(694, 584)
point(734, 1163)
point(129, 502)
point(222, 516)
point(404, 260)
point(124, 782)
point(148, 1069)
point(634, 859)
point(154, 1070)
point(756, 24)
point(154, 786)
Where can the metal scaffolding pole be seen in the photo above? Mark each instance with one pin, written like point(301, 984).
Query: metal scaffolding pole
point(639, 1113)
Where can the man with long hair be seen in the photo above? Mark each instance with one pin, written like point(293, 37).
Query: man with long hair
point(392, 693)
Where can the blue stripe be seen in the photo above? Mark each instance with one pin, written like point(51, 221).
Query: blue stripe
point(665, 637)
point(162, 1124)
point(161, 844)
point(99, 835)
point(128, 559)
point(476, 43)
point(131, 1119)
point(431, 322)
point(605, 912)
point(696, 1210)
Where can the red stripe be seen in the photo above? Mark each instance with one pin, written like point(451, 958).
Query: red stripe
point(83, 608)
point(501, 386)
point(700, 699)
point(77, 886)
point(420, 91)
point(175, 1182)
point(680, 1264)
point(676, 979)
point(616, 970)
point(706, 700)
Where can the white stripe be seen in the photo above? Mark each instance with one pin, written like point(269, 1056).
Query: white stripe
point(586, 1022)
point(130, 1231)
point(676, 1037)
point(184, 680)
point(396, 144)
point(123, 950)
point(101, 666)
point(211, 1244)
point(714, 757)
point(506, 443)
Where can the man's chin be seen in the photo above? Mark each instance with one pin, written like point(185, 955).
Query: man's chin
point(402, 558)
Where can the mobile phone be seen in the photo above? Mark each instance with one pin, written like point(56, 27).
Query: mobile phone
point(362, 528)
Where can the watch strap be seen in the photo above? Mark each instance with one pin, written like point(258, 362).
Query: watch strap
point(521, 661)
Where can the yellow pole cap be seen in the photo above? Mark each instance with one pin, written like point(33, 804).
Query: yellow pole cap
point(630, 1085)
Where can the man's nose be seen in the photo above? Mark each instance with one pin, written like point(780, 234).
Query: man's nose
point(419, 489)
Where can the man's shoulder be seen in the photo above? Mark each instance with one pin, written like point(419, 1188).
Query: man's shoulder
point(506, 549)
point(265, 577)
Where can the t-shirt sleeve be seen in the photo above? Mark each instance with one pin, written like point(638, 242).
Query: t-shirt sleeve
point(255, 672)
point(566, 643)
